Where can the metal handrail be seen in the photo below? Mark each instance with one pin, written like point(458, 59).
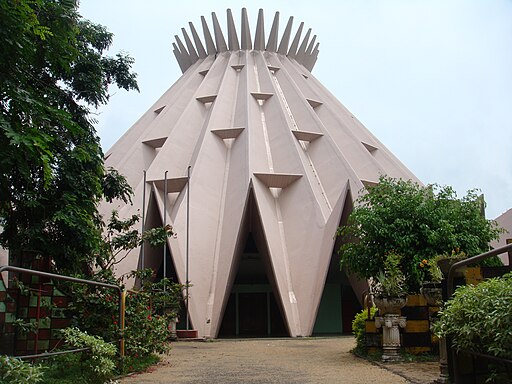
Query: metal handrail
point(10, 268)
point(44, 355)
point(472, 260)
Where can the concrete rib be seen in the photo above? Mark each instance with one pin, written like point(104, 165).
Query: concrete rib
point(272, 38)
point(199, 45)
point(210, 45)
point(232, 35)
point(292, 52)
point(285, 40)
point(259, 37)
point(219, 36)
point(246, 42)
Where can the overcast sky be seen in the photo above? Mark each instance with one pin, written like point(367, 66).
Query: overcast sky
point(431, 79)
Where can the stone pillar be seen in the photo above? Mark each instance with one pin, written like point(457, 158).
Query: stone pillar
point(172, 328)
point(444, 376)
point(391, 324)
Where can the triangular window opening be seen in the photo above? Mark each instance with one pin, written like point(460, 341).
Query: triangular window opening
point(369, 147)
point(339, 303)
point(154, 256)
point(253, 308)
point(160, 109)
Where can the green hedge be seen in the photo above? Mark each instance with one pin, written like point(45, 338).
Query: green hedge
point(477, 318)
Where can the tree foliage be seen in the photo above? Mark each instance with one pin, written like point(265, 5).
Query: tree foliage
point(53, 68)
point(415, 222)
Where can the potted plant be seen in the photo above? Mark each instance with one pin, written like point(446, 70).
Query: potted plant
point(389, 292)
point(388, 287)
point(445, 261)
point(431, 281)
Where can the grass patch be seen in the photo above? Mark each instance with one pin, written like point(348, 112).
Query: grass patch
point(420, 357)
point(138, 364)
point(67, 369)
point(364, 354)
point(405, 356)
point(64, 369)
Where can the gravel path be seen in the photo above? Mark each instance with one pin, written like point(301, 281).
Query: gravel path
point(309, 360)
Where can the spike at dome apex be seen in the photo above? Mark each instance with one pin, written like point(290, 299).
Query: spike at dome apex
point(193, 50)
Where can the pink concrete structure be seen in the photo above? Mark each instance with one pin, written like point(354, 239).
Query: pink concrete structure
point(504, 221)
point(272, 154)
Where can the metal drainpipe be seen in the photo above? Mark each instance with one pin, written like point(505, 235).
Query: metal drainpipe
point(165, 244)
point(509, 241)
point(122, 310)
point(187, 252)
point(142, 262)
point(38, 316)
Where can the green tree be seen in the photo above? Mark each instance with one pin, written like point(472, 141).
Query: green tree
point(415, 222)
point(53, 69)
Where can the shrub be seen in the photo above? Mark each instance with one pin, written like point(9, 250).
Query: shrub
point(146, 331)
point(95, 311)
point(359, 328)
point(147, 316)
point(478, 317)
point(16, 371)
point(99, 361)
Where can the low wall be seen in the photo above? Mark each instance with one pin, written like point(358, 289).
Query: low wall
point(41, 307)
point(416, 337)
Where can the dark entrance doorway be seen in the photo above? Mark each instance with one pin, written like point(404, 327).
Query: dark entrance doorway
point(252, 309)
point(339, 303)
point(252, 314)
point(154, 258)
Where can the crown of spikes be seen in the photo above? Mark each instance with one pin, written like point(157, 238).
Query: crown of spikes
point(187, 54)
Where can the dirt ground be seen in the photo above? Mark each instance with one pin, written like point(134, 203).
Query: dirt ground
point(257, 361)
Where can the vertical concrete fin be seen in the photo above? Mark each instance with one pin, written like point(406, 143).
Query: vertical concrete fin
point(232, 36)
point(210, 46)
point(272, 39)
point(302, 49)
point(184, 54)
point(219, 36)
point(292, 52)
point(259, 38)
point(285, 40)
point(310, 46)
point(312, 59)
point(179, 58)
point(190, 47)
point(246, 32)
point(199, 45)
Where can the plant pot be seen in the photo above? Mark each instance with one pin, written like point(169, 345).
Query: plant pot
point(390, 304)
point(433, 293)
point(445, 264)
point(172, 328)
point(187, 333)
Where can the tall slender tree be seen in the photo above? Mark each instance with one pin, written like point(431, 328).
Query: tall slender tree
point(53, 69)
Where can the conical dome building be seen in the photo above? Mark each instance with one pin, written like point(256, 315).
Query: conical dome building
point(275, 163)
